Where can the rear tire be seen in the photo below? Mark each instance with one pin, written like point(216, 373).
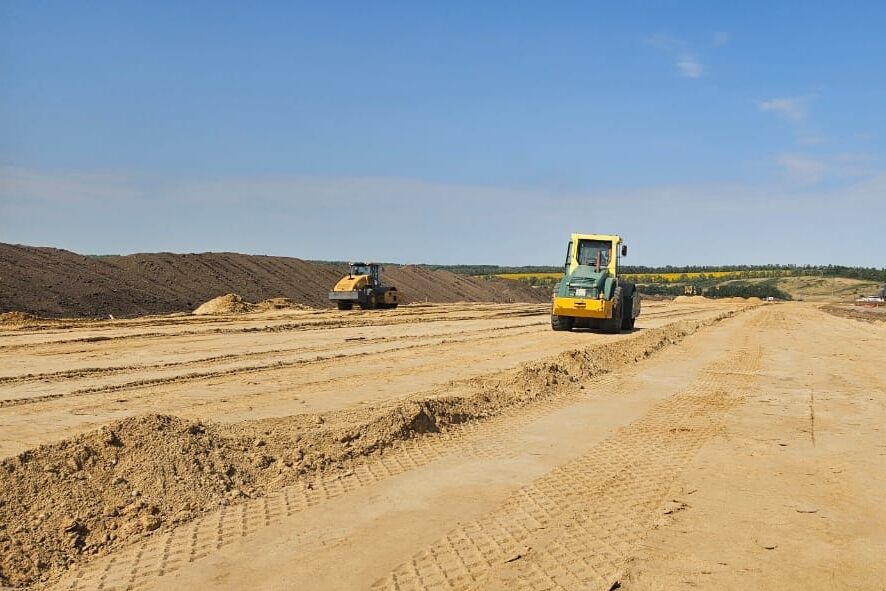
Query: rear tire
point(369, 304)
point(345, 306)
point(627, 322)
point(613, 325)
point(561, 322)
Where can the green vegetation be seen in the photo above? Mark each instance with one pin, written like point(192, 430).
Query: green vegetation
point(751, 271)
point(711, 289)
point(760, 289)
point(716, 282)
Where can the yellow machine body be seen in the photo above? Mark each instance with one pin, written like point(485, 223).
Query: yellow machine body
point(582, 308)
point(591, 294)
point(351, 283)
point(363, 287)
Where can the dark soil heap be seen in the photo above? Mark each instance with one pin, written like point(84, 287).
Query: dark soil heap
point(55, 283)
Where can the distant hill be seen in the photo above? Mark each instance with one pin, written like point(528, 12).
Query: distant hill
point(55, 282)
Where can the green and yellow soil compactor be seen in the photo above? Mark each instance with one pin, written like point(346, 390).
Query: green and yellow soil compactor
point(591, 294)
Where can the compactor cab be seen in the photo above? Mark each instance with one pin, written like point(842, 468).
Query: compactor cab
point(591, 294)
point(363, 287)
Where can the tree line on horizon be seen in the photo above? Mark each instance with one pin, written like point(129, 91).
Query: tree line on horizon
point(849, 272)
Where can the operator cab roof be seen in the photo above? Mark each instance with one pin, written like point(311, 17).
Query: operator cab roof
point(601, 237)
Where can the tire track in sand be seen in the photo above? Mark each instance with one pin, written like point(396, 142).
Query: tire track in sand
point(625, 478)
point(575, 527)
point(90, 372)
point(134, 567)
point(195, 376)
point(327, 320)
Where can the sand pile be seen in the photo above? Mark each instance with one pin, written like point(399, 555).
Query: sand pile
point(62, 503)
point(691, 299)
point(279, 304)
point(230, 303)
point(17, 319)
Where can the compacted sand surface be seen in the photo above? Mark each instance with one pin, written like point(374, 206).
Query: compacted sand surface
point(457, 446)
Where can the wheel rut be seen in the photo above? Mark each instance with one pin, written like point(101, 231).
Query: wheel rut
point(572, 528)
point(576, 527)
point(319, 357)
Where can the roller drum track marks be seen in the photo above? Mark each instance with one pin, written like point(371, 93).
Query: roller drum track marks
point(135, 562)
point(332, 354)
point(109, 332)
point(136, 566)
point(332, 351)
point(575, 527)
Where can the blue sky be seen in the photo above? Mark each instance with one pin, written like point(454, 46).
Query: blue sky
point(446, 132)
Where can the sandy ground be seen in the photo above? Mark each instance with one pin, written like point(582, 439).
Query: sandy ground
point(58, 382)
point(747, 455)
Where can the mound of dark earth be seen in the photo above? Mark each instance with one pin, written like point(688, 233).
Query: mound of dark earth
point(55, 283)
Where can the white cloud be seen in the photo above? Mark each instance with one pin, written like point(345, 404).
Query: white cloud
point(805, 169)
point(687, 63)
point(802, 169)
point(690, 67)
point(790, 108)
point(22, 184)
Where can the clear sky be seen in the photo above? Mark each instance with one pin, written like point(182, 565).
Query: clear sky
point(447, 132)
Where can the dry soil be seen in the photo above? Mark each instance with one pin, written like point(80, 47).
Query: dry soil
point(462, 446)
point(60, 283)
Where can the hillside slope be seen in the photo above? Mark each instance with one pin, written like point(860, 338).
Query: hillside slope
point(818, 289)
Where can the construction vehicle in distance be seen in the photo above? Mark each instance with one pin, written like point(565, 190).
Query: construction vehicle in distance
point(591, 295)
point(363, 287)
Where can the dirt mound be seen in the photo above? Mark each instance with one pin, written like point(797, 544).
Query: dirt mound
point(64, 502)
point(870, 314)
point(53, 283)
point(691, 299)
point(279, 304)
point(17, 319)
point(418, 284)
point(229, 303)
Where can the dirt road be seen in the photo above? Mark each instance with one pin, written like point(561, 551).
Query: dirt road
point(704, 450)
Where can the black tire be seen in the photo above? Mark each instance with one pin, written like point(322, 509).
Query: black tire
point(345, 305)
point(613, 325)
point(627, 322)
point(561, 322)
point(369, 304)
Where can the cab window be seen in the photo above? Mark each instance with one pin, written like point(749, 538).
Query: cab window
point(588, 249)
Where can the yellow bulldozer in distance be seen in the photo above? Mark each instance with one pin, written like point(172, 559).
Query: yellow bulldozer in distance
point(591, 295)
point(362, 286)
